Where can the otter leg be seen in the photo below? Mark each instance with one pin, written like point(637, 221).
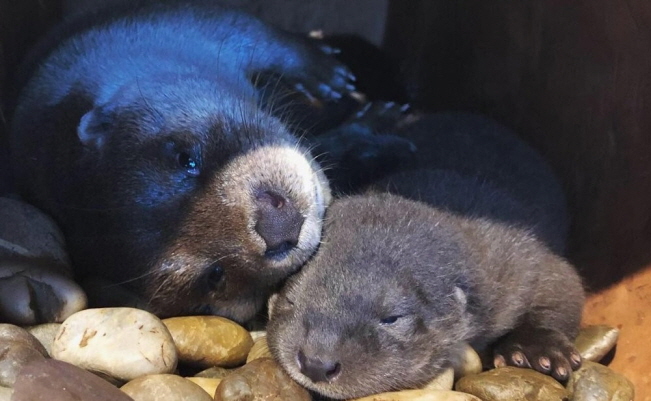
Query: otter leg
point(364, 148)
point(547, 351)
point(544, 339)
point(244, 43)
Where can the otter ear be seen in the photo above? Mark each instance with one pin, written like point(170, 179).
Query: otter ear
point(93, 129)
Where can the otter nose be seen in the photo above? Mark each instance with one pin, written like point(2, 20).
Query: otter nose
point(318, 370)
point(279, 222)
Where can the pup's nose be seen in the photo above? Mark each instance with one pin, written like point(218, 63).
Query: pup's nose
point(279, 222)
point(318, 370)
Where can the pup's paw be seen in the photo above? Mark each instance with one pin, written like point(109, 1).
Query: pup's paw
point(547, 351)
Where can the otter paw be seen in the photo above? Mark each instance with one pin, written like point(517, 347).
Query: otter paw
point(547, 351)
point(321, 75)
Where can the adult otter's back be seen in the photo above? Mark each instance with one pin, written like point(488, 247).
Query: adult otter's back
point(139, 131)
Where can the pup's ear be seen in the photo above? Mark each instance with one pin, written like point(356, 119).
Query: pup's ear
point(93, 129)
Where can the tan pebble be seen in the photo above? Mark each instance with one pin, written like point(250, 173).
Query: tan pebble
point(260, 349)
point(5, 393)
point(45, 334)
point(52, 380)
point(594, 342)
point(214, 373)
point(469, 364)
point(10, 332)
point(257, 334)
point(420, 395)
point(207, 341)
point(17, 349)
point(124, 343)
point(164, 387)
point(511, 383)
point(444, 381)
point(594, 381)
point(13, 357)
point(261, 380)
point(208, 384)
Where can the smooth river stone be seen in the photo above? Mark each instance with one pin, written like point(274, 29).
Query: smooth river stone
point(17, 349)
point(469, 364)
point(5, 393)
point(13, 357)
point(10, 332)
point(52, 380)
point(209, 385)
point(257, 334)
point(261, 380)
point(595, 382)
point(207, 341)
point(260, 349)
point(420, 395)
point(214, 373)
point(594, 342)
point(164, 388)
point(444, 381)
point(509, 383)
point(123, 343)
point(32, 294)
point(45, 334)
point(27, 233)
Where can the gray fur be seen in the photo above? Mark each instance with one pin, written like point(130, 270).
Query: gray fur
point(470, 262)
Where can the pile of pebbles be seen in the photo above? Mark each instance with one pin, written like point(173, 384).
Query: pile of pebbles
point(129, 354)
point(136, 356)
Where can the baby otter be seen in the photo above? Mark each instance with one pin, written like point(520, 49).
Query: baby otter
point(139, 130)
point(397, 286)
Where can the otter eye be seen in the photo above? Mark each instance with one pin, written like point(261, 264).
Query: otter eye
point(188, 163)
point(390, 319)
point(215, 275)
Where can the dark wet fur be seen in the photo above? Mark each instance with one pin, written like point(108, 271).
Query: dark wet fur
point(479, 154)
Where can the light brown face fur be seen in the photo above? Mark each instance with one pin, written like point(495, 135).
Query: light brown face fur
point(220, 229)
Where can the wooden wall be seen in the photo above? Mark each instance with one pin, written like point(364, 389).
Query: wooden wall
point(574, 79)
point(21, 23)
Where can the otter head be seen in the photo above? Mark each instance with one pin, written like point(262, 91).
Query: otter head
point(198, 198)
point(378, 308)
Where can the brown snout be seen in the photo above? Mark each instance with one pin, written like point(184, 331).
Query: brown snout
point(279, 222)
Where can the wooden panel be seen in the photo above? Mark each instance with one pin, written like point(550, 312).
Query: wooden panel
point(627, 306)
point(21, 23)
point(574, 79)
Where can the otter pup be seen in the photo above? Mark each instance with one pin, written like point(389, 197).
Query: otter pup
point(139, 130)
point(397, 286)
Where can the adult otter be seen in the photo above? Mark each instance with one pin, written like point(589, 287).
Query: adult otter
point(398, 285)
point(139, 131)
